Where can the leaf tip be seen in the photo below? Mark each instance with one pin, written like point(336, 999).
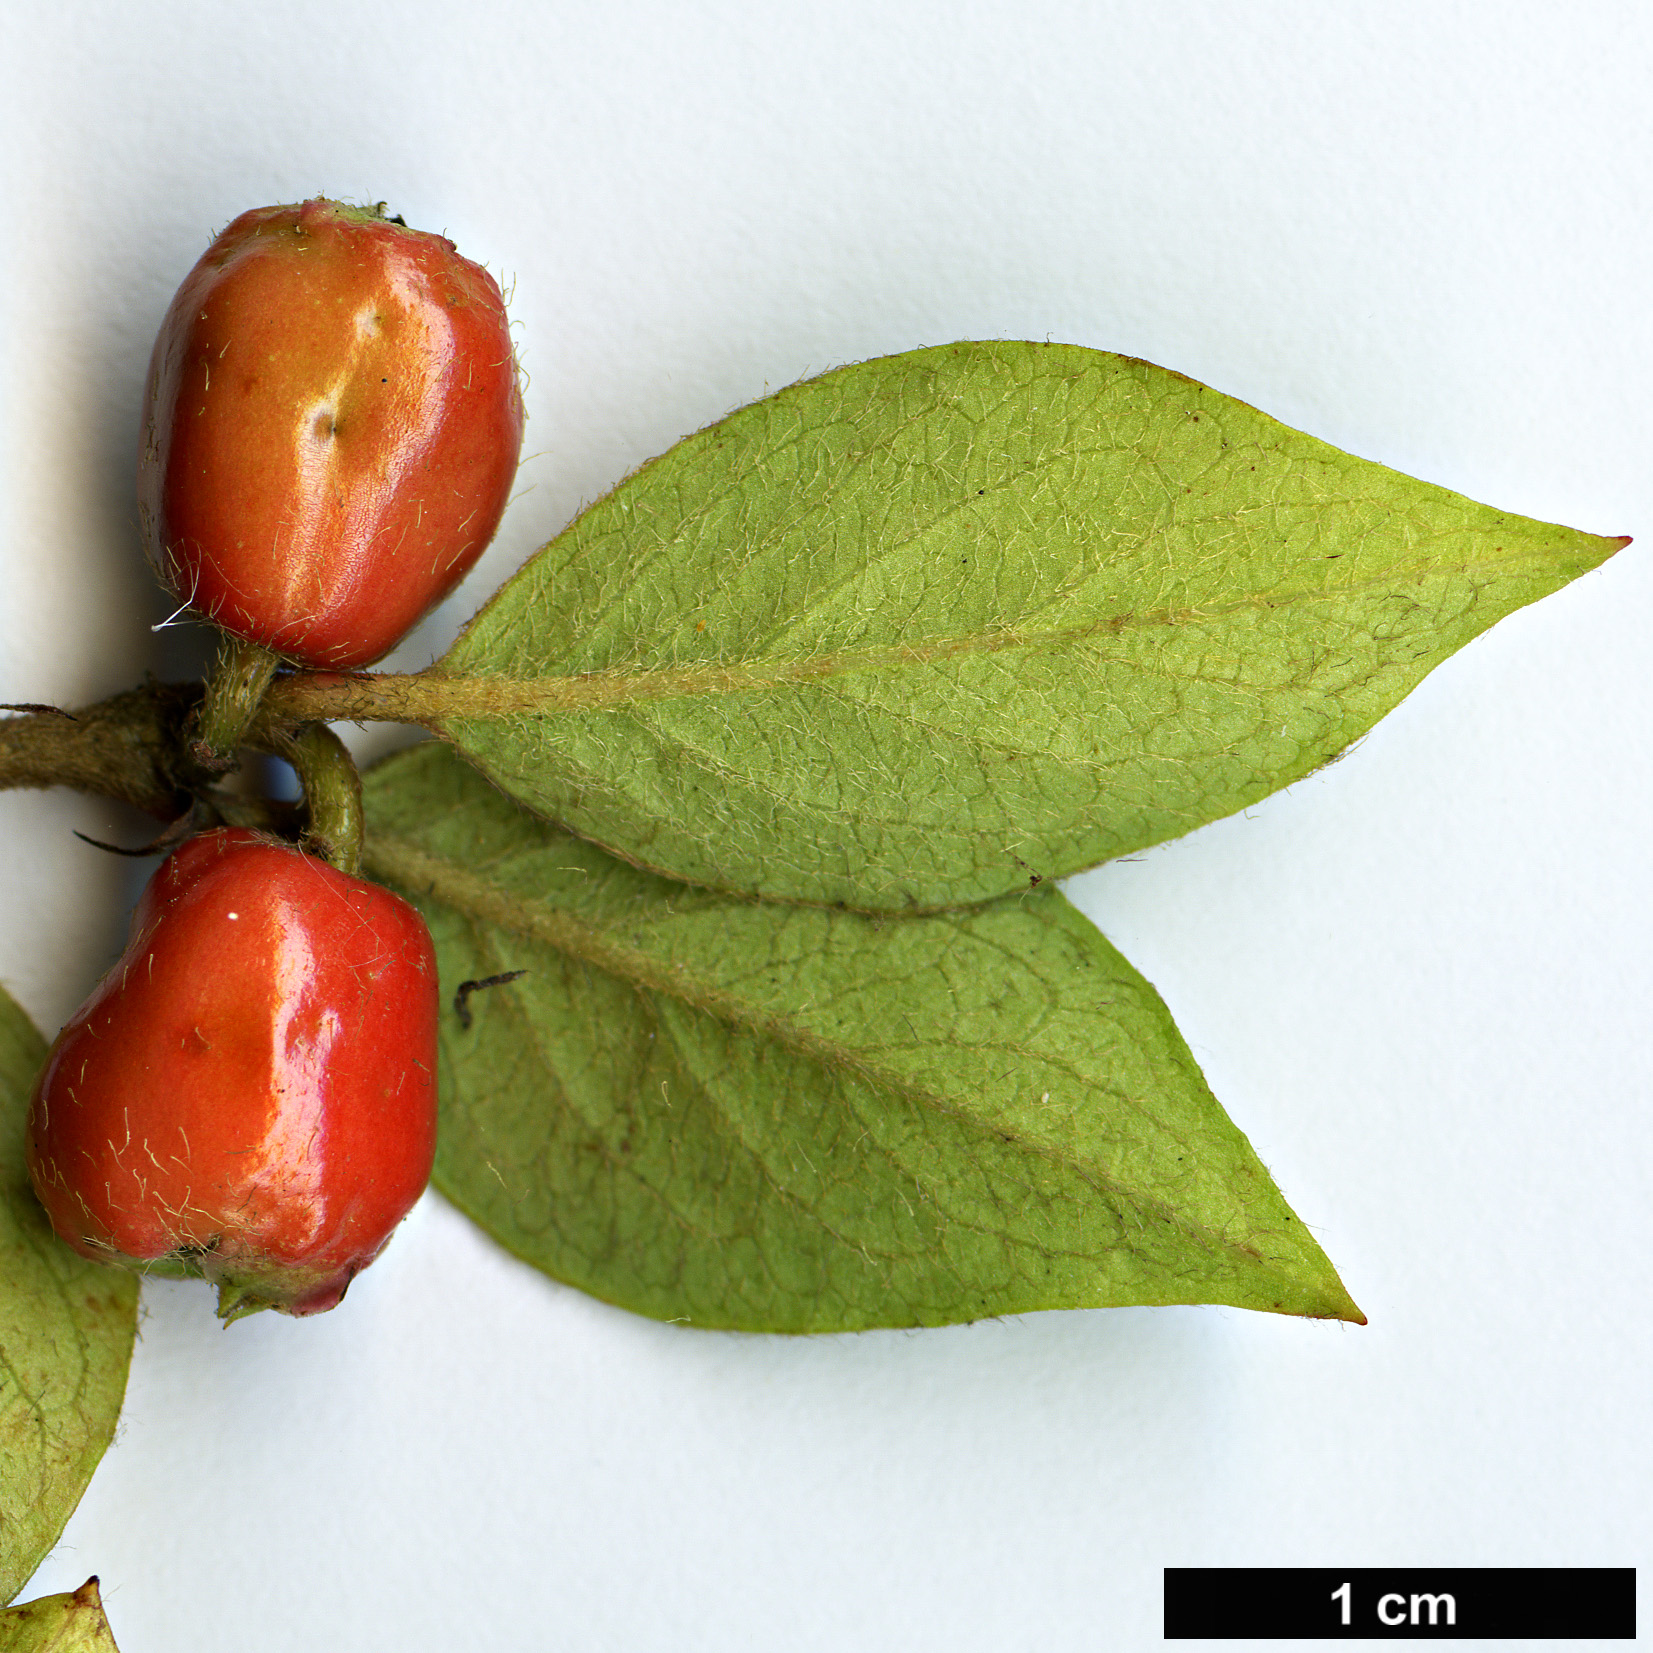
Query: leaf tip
point(1343, 1307)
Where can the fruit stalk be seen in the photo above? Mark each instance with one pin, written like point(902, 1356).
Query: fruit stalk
point(234, 691)
point(332, 792)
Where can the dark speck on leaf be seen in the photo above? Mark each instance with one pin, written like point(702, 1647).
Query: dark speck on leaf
point(461, 1004)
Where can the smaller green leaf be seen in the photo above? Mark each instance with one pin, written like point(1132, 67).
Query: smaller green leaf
point(745, 1114)
point(66, 1331)
point(70, 1623)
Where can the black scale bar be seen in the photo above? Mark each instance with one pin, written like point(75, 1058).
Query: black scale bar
point(1401, 1603)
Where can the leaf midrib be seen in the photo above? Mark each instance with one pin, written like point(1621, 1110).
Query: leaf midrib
point(617, 686)
point(400, 862)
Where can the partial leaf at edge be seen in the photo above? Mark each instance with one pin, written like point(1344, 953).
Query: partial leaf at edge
point(73, 1622)
point(905, 635)
point(783, 1118)
point(66, 1331)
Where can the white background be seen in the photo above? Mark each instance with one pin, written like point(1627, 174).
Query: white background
point(1420, 981)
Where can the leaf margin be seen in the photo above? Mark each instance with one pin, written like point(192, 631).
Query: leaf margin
point(95, 1304)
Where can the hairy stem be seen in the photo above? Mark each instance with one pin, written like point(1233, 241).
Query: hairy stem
point(129, 747)
point(236, 687)
point(135, 747)
point(142, 746)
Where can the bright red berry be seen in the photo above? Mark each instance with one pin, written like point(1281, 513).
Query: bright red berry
point(250, 1094)
point(331, 428)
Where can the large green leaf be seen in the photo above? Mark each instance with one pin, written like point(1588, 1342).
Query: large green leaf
point(912, 633)
point(785, 1118)
point(66, 1330)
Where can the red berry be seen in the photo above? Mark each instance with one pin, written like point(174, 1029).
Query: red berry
point(331, 429)
point(250, 1093)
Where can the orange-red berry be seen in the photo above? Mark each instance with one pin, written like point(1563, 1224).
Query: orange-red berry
point(250, 1093)
point(331, 429)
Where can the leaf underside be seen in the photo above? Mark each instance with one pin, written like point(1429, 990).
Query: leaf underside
point(73, 1622)
point(66, 1331)
point(909, 634)
point(787, 1118)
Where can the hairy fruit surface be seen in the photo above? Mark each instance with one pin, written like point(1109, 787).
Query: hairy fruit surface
point(331, 428)
point(249, 1095)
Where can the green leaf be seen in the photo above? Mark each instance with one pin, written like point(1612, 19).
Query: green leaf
point(70, 1623)
point(911, 633)
point(66, 1330)
point(788, 1118)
